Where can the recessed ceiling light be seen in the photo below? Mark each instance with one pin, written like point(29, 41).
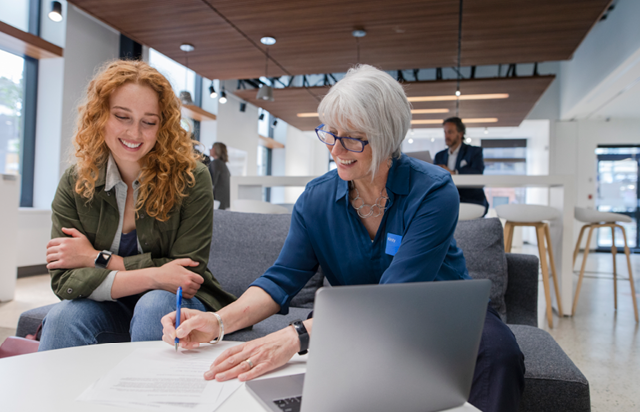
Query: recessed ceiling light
point(428, 111)
point(359, 33)
point(187, 47)
point(410, 141)
point(488, 96)
point(268, 41)
point(307, 115)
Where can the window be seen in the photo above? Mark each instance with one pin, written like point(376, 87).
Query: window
point(504, 157)
point(618, 192)
point(11, 110)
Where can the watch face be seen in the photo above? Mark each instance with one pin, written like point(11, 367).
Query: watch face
point(103, 259)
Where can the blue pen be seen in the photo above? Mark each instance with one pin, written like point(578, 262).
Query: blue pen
point(178, 305)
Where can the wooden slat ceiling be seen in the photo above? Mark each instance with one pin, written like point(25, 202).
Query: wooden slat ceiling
point(523, 94)
point(315, 36)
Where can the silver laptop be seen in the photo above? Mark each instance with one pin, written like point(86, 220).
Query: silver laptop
point(401, 347)
point(424, 155)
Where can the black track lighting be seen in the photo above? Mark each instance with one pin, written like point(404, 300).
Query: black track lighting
point(275, 123)
point(212, 91)
point(243, 107)
point(223, 97)
point(261, 117)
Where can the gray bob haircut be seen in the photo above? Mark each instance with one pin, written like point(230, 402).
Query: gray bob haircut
point(369, 101)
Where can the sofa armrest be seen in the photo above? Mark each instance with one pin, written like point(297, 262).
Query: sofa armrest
point(521, 297)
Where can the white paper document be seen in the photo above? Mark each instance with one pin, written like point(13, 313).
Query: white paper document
point(162, 379)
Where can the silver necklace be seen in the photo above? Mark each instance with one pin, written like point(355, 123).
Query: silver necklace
point(364, 210)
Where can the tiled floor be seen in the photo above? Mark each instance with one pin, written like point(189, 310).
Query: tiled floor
point(603, 343)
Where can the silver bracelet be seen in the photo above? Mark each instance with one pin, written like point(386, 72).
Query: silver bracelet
point(220, 331)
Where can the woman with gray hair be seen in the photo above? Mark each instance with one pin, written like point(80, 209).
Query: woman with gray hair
point(341, 222)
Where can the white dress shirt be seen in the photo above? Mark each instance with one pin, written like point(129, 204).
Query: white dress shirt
point(453, 157)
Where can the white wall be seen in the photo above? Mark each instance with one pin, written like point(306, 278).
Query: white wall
point(89, 43)
point(238, 129)
point(33, 236)
point(609, 44)
point(305, 156)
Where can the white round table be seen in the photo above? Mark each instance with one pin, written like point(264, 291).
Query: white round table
point(51, 381)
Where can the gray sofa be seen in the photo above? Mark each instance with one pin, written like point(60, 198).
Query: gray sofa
point(245, 245)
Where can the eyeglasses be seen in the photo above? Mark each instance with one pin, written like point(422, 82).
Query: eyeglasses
point(349, 143)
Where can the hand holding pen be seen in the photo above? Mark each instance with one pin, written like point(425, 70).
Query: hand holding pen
point(178, 306)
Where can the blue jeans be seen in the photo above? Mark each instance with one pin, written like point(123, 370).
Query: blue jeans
point(131, 319)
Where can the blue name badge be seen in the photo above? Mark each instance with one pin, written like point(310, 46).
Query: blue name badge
point(393, 244)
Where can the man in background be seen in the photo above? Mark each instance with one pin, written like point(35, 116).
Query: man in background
point(461, 158)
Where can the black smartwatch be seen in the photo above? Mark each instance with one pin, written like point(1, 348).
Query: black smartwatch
point(102, 261)
point(303, 335)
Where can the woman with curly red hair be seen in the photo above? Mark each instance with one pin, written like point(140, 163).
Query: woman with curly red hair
point(132, 219)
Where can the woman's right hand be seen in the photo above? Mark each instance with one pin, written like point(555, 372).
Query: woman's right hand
point(175, 274)
point(196, 327)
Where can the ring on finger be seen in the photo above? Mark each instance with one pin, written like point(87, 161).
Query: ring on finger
point(249, 363)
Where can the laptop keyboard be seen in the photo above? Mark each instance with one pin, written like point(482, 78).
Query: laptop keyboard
point(289, 404)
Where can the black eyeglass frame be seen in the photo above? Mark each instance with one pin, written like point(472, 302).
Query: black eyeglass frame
point(362, 142)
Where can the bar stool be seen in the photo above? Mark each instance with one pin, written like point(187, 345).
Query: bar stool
point(534, 215)
point(470, 211)
point(596, 219)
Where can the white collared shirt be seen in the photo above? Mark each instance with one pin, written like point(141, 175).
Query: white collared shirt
point(453, 157)
point(113, 179)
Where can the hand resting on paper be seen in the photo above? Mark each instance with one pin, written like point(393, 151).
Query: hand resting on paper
point(266, 353)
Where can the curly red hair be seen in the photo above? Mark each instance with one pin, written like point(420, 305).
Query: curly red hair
point(167, 169)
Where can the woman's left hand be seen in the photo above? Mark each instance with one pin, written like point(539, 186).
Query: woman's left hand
point(70, 252)
point(267, 353)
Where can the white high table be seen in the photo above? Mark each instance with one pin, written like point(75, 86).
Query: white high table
point(561, 196)
point(51, 381)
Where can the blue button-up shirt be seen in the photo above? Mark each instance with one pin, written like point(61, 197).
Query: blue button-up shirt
point(421, 215)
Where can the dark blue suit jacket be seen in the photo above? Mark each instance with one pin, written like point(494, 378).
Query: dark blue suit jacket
point(469, 162)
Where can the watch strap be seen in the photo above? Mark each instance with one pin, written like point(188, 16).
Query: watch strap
point(303, 335)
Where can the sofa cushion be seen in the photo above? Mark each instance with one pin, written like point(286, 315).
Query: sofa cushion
point(31, 319)
point(482, 243)
point(552, 381)
point(245, 245)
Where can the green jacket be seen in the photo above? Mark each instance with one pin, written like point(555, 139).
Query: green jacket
point(187, 234)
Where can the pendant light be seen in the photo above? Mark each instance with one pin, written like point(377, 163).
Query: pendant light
point(56, 11)
point(185, 95)
point(358, 33)
point(266, 92)
point(223, 96)
point(459, 53)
